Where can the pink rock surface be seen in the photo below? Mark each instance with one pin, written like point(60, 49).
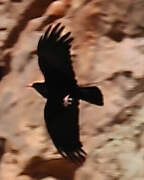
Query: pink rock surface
point(108, 51)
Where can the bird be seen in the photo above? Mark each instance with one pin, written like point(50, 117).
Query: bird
point(63, 94)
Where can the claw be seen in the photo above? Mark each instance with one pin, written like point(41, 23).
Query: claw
point(67, 101)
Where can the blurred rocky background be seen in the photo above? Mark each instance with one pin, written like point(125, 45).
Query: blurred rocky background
point(108, 50)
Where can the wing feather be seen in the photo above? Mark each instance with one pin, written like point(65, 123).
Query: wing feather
point(63, 127)
point(54, 57)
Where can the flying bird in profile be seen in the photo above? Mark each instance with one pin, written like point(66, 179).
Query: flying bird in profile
point(62, 92)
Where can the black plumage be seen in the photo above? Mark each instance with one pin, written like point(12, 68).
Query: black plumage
point(61, 112)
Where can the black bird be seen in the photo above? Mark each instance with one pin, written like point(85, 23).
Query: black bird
point(60, 88)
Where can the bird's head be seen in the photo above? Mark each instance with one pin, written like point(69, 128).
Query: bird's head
point(34, 84)
point(39, 87)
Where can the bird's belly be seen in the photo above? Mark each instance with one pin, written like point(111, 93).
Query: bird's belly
point(58, 93)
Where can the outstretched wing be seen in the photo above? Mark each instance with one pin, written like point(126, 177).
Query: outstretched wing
point(62, 125)
point(54, 57)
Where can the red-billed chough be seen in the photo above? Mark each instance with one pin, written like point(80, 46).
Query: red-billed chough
point(60, 88)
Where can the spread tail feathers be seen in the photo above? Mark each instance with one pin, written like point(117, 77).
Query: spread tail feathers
point(91, 94)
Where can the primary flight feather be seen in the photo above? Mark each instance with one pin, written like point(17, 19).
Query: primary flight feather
point(61, 111)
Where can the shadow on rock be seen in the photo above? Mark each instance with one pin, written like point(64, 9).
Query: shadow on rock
point(59, 168)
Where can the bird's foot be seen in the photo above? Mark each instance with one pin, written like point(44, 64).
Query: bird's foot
point(67, 101)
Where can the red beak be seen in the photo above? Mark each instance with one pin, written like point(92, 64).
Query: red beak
point(29, 85)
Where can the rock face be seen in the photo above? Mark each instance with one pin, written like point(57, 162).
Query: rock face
point(108, 51)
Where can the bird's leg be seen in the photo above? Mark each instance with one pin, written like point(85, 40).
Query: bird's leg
point(67, 100)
